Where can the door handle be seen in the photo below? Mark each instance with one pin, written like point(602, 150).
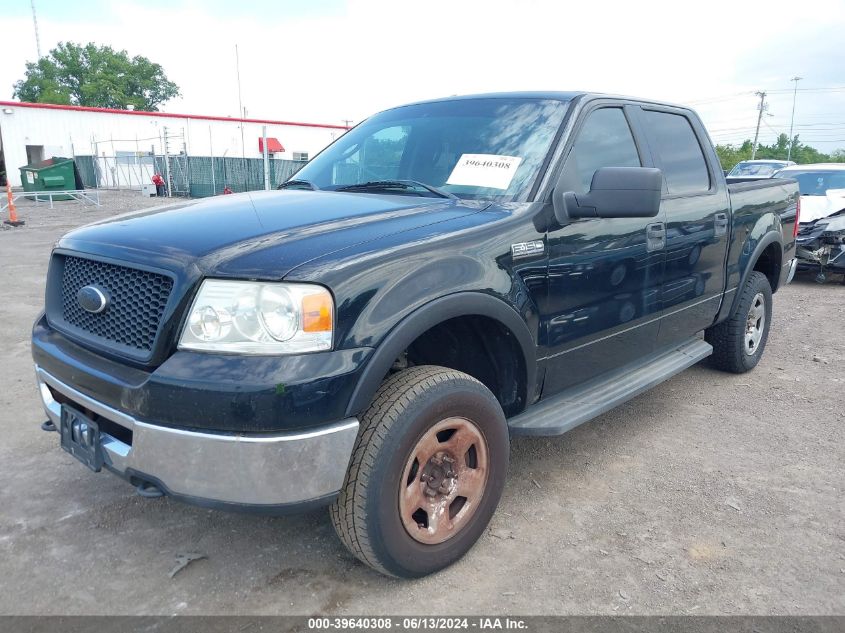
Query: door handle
point(720, 224)
point(655, 236)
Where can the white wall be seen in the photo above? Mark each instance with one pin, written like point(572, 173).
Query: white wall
point(69, 132)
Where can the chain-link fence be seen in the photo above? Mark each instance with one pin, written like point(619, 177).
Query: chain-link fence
point(115, 172)
point(208, 176)
point(195, 176)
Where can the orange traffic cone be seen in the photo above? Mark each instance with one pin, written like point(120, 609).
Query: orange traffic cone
point(13, 212)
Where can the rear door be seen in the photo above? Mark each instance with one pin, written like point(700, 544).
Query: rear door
point(604, 273)
point(696, 209)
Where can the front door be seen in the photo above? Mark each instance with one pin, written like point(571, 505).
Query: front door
point(604, 274)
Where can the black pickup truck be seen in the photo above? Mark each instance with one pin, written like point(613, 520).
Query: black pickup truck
point(446, 275)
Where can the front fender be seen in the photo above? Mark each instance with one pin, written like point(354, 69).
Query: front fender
point(426, 317)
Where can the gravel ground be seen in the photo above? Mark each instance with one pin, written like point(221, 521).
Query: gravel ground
point(711, 494)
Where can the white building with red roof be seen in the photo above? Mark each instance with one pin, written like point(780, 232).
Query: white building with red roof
point(32, 132)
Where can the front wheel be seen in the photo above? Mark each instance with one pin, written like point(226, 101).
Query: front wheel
point(427, 472)
point(738, 342)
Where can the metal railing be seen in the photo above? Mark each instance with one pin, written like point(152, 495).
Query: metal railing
point(85, 196)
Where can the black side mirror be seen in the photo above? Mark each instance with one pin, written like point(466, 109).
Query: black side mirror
point(616, 192)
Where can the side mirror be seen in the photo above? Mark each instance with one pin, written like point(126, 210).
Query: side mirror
point(616, 192)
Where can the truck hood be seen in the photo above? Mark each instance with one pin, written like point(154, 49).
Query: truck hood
point(816, 207)
point(259, 235)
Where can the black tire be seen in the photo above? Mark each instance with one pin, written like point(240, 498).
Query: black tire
point(731, 349)
point(366, 515)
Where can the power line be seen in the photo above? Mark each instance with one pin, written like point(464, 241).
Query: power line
point(737, 95)
point(750, 130)
point(739, 130)
point(799, 128)
point(816, 115)
point(773, 129)
point(733, 129)
point(788, 90)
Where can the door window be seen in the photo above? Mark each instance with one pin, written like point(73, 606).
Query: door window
point(681, 158)
point(605, 140)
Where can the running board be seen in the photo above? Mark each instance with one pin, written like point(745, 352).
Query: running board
point(573, 407)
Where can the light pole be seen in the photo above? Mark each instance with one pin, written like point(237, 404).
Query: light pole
point(796, 79)
point(35, 24)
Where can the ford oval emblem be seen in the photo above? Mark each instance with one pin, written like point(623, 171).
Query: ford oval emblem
point(92, 299)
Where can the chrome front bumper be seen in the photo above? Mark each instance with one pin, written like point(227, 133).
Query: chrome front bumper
point(243, 471)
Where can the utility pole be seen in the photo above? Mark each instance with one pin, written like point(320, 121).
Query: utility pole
point(346, 122)
point(169, 191)
point(762, 108)
point(796, 79)
point(35, 24)
point(211, 152)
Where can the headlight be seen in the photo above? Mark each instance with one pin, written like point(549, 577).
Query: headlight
point(259, 318)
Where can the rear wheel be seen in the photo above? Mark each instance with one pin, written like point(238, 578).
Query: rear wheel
point(738, 342)
point(427, 472)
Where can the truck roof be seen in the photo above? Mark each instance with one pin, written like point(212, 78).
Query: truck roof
point(544, 94)
point(766, 160)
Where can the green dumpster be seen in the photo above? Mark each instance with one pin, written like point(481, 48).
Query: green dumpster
point(53, 174)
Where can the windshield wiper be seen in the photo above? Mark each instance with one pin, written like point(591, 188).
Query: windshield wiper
point(298, 184)
point(384, 185)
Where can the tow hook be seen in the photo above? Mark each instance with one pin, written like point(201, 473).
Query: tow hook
point(48, 426)
point(149, 490)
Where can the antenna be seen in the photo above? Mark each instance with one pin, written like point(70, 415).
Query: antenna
point(35, 24)
point(241, 113)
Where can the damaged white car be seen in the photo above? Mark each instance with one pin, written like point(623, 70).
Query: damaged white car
point(821, 235)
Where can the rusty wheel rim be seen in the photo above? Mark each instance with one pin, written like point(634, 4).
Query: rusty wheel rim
point(443, 481)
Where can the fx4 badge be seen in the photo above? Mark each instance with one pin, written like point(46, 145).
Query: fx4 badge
point(527, 249)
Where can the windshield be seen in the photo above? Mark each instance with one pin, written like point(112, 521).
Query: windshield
point(816, 183)
point(755, 169)
point(470, 148)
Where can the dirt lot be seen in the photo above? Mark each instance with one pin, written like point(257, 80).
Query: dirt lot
point(712, 494)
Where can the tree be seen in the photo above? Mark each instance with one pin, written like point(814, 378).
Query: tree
point(730, 155)
point(95, 76)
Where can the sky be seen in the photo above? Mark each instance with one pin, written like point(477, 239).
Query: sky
point(327, 61)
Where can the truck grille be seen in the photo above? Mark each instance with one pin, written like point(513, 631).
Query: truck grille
point(137, 299)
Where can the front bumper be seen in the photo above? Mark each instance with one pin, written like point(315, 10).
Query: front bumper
point(210, 393)
point(272, 473)
point(822, 257)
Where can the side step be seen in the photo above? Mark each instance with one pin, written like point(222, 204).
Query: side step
point(563, 412)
